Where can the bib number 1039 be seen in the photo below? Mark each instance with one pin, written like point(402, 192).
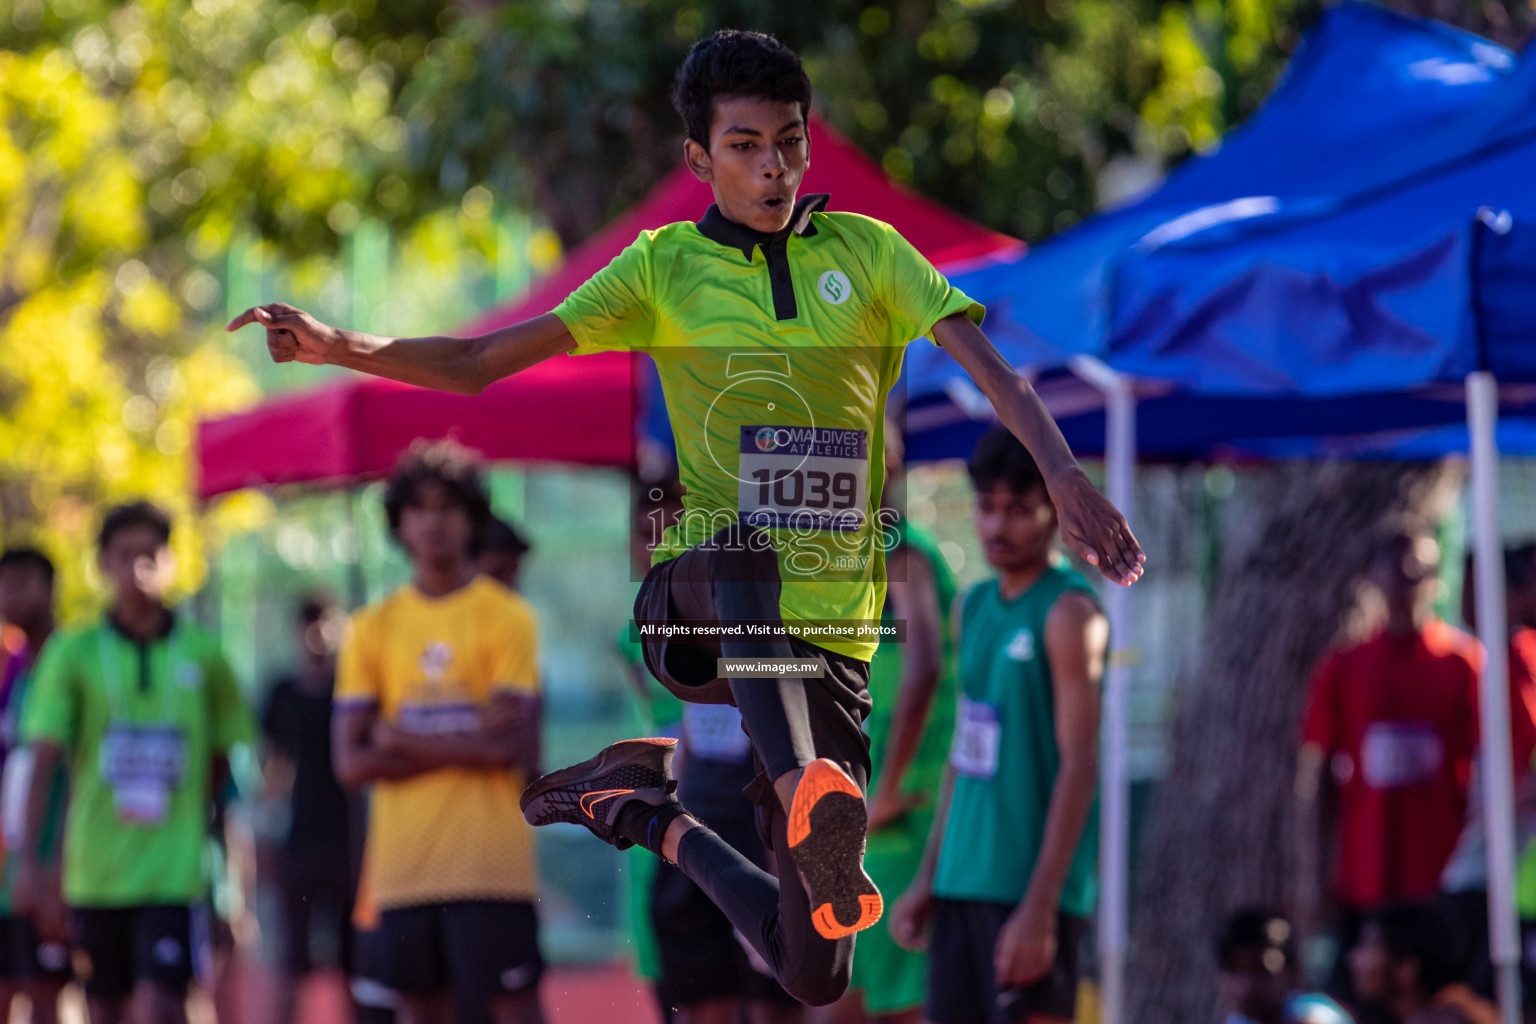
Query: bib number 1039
point(806, 477)
point(813, 488)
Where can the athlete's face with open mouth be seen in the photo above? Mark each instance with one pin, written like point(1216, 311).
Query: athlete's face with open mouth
point(758, 152)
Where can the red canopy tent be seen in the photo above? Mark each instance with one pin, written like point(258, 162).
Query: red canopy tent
point(568, 409)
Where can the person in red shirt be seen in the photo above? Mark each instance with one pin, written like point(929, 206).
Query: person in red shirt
point(1389, 731)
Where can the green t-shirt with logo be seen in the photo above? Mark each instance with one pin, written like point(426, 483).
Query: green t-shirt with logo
point(1004, 752)
point(776, 355)
point(140, 726)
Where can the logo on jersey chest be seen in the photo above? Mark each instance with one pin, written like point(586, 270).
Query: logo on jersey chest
point(434, 662)
point(834, 286)
point(1022, 646)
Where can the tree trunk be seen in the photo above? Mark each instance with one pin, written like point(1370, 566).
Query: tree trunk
point(1219, 833)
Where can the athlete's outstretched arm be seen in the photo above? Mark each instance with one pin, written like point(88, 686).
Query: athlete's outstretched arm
point(1090, 525)
point(463, 365)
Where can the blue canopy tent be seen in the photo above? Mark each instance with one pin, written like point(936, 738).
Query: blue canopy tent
point(1373, 102)
point(1419, 92)
point(1407, 79)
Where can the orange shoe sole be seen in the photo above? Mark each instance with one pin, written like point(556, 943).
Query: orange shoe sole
point(826, 832)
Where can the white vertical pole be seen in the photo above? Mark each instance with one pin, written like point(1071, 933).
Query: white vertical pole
point(1115, 792)
point(1497, 766)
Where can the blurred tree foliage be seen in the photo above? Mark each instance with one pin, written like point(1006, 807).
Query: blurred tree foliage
point(1020, 113)
point(138, 142)
point(1007, 111)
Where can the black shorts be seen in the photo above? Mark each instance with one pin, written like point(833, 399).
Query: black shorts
point(24, 958)
point(117, 947)
point(680, 589)
point(477, 949)
point(372, 1000)
point(962, 981)
point(313, 890)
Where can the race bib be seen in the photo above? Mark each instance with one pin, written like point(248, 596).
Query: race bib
point(438, 719)
point(804, 477)
point(978, 734)
point(713, 732)
point(143, 765)
point(1395, 754)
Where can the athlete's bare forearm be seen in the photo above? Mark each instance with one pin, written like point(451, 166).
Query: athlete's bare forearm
point(462, 365)
point(1016, 403)
point(1071, 802)
point(914, 600)
point(355, 760)
point(1090, 525)
point(930, 862)
point(1076, 640)
point(482, 750)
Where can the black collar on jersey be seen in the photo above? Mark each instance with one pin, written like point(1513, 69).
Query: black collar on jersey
point(717, 228)
point(142, 644)
point(163, 630)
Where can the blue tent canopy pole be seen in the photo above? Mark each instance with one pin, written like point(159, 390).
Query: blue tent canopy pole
point(1498, 759)
point(1115, 800)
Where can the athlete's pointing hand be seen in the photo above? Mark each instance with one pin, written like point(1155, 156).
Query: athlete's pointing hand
point(292, 334)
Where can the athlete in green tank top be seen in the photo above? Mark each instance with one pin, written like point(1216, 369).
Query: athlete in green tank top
point(1006, 756)
point(1010, 878)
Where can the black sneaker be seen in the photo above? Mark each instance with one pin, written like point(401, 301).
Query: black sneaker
point(593, 792)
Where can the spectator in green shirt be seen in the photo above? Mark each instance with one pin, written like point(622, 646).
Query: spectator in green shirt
point(142, 707)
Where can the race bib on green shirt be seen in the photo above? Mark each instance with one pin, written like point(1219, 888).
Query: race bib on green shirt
point(978, 734)
point(143, 765)
point(811, 478)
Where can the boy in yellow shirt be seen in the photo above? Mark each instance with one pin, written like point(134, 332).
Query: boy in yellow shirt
point(437, 710)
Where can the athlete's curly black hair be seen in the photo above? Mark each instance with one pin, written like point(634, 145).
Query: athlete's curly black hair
point(453, 467)
point(999, 458)
point(736, 63)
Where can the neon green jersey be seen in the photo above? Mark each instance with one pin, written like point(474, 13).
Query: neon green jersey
point(140, 725)
point(776, 355)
